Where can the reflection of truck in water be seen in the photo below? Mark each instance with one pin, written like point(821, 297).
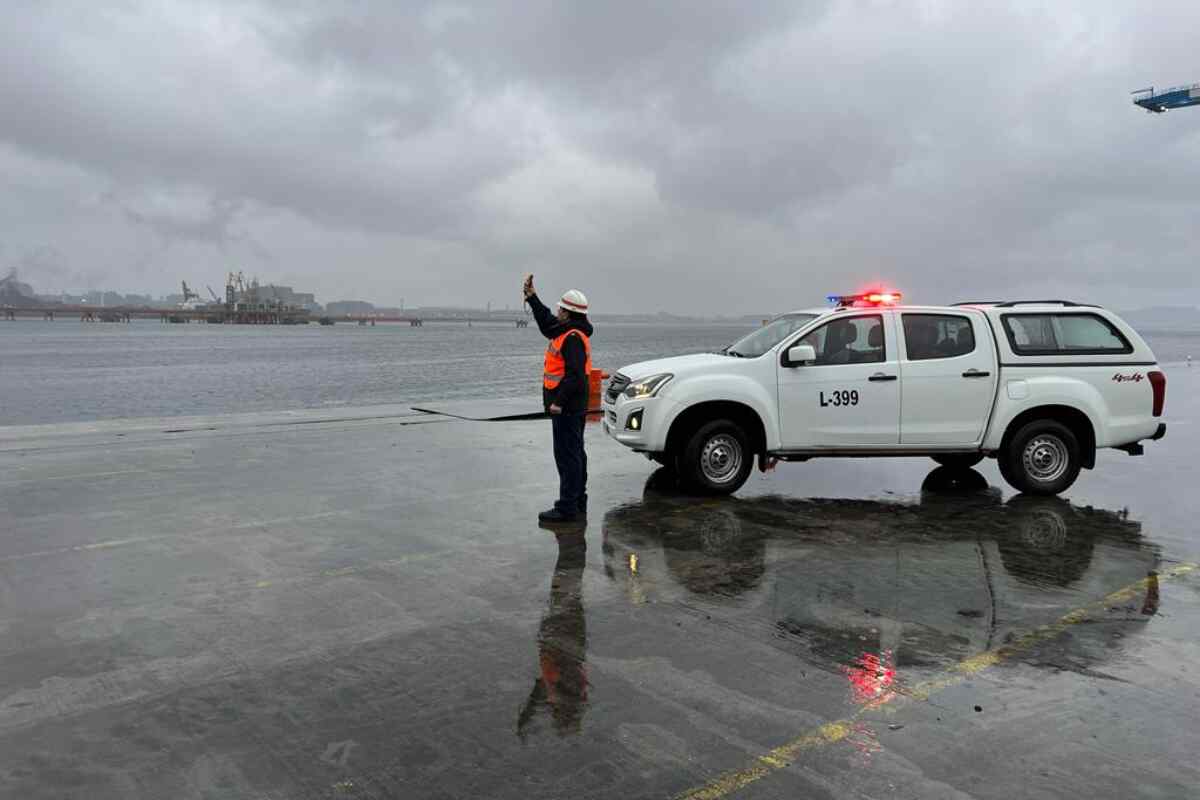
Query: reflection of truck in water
point(909, 584)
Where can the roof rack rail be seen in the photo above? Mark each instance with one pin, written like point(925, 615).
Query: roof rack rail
point(977, 303)
point(1068, 303)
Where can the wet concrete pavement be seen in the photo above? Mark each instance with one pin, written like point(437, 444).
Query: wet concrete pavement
point(363, 606)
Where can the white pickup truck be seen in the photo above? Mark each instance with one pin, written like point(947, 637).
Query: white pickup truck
point(1037, 385)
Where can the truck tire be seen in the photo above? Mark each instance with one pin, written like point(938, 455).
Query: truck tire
point(716, 459)
point(1042, 458)
point(959, 460)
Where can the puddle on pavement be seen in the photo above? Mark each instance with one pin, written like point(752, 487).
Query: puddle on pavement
point(887, 593)
point(560, 690)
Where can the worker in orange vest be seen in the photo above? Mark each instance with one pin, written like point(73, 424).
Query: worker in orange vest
point(565, 394)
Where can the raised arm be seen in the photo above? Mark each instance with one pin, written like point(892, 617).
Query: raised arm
point(547, 323)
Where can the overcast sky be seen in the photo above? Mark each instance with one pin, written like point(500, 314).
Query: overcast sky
point(693, 157)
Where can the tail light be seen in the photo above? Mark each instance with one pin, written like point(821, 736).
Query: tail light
point(1158, 382)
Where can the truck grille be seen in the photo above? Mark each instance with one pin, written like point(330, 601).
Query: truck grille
point(616, 385)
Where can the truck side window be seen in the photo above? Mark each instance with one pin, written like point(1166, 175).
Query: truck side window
point(849, 340)
point(1063, 334)
point(929, 336)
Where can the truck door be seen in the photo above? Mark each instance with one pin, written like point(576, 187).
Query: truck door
point(949, 381)
point(850, 395)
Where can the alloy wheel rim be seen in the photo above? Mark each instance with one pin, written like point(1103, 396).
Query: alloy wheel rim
point(1045, 458)
point(721, 458)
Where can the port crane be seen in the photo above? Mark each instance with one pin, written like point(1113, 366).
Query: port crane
point(191, 300)
point(1156, 102)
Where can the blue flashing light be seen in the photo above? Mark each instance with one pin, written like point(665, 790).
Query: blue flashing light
point(865, 299)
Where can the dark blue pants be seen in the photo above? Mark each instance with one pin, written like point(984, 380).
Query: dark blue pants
point(571, 460)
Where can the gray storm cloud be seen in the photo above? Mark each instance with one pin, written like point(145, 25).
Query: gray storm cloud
point(721, 157)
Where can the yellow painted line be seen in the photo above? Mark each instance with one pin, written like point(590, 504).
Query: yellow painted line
point(85, 548)
point(74, 476)
point(344, 572)
point(783, 756)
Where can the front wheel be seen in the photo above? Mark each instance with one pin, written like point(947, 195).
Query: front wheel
point(959, 460)
point(1041, 458)
point(717, 458)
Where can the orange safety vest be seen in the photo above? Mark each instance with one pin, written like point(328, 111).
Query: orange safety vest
point(556, 367)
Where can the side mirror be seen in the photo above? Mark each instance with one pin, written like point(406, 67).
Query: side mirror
point(799, 354)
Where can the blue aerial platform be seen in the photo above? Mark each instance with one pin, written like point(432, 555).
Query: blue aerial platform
point(1175, 97)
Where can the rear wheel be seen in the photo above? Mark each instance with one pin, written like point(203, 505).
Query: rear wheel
point(1041, 458)
point(717, 458)
point(959, 460)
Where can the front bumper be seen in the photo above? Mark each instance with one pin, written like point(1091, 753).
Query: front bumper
point(651, 434)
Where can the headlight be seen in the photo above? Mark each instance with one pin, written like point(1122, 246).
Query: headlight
point(647, 387)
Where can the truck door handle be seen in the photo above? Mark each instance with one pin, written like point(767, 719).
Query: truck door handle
point(879, 376)
point(975, 373)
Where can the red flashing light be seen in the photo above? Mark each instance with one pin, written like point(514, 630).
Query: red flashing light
point(866, 299)
point(883, 298)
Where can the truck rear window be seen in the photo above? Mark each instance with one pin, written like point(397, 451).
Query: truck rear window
point(929, 336)
point(1063, 335)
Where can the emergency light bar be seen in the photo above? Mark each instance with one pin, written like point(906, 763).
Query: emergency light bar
point(866, 299)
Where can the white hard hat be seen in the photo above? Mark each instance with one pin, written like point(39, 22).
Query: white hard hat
point(574, 300)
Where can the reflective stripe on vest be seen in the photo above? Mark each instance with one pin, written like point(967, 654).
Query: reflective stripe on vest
point(556, 367)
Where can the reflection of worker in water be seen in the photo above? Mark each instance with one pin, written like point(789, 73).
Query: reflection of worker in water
point(562, 684)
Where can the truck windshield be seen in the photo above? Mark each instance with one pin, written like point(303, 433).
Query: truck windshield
point(769, 335)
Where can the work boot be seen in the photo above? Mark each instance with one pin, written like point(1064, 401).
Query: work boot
point(555, 515)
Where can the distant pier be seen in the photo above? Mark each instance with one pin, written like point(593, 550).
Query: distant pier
point(417, 322)
point(241, 315)
point(238, 315)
